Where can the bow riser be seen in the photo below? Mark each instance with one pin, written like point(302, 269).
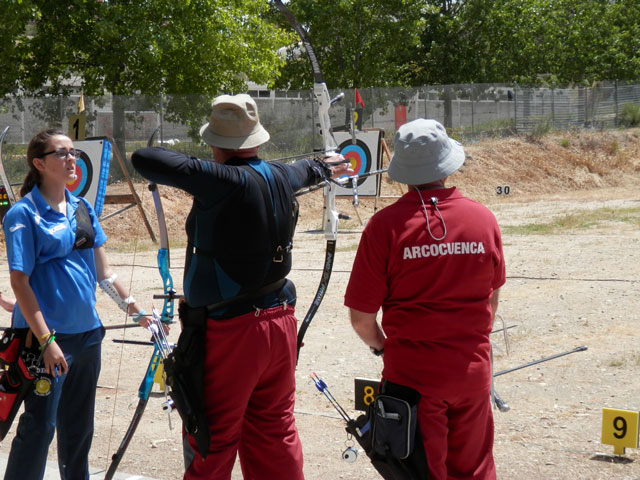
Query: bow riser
point(321, 93)
point(330, 213)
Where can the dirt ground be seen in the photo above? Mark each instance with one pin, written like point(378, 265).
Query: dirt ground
point(574, 286)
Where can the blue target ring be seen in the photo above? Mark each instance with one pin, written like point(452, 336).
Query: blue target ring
point(359, 155)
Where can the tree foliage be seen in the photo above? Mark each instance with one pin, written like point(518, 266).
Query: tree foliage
point(531, 41)
point(149, 47)
point(358, 42)
point(206, 47)
point(436, 42)
point(14, 20)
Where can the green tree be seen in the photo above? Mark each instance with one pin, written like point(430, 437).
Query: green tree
point(150, 47)
point(600, 40)
point(358, 42)
point(529, 41)
point(14, 19)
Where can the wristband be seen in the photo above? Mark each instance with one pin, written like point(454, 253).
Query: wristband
point(139, 315)
point(43, 336)
point(49, 341)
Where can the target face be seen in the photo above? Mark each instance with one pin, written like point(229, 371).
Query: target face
point(84, 171)
point(359, 155)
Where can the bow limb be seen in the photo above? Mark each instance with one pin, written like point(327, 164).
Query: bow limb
point(164, 257)
point(324, 101)
point(164, 260)
point(169, 296)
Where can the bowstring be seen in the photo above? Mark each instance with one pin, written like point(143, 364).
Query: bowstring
point(124, 333)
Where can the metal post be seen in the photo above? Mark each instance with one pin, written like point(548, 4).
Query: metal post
point(426, 100)
point(473, 129)
point(553, 107)
point(22, 126)
point(373, 108)
point(586, 112)
point(615, 99)
point(161, 119)
point(93, 124)
point(515, 109)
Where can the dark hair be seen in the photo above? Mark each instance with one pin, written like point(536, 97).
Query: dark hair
point(37, 146)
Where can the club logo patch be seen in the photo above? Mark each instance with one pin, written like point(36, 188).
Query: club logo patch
point(43, 386)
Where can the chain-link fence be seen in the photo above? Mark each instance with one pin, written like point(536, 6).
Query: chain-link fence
point(468, 111)
point(542, 109)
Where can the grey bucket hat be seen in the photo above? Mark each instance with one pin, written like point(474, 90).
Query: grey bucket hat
point(423, 153)
point(234, 123)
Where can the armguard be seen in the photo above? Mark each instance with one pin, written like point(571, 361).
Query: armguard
point(107, 286)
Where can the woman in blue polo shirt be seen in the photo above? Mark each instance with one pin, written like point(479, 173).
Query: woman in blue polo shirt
point(55, 254)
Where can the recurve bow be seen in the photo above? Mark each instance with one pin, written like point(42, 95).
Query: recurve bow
point(321, 94)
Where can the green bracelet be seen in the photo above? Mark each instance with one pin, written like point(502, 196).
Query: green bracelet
point(46, 344)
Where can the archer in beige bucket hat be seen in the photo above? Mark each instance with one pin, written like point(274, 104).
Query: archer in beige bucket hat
point(424, 153)
point(234, 123)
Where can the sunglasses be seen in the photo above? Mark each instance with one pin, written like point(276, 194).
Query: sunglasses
point(63, 153)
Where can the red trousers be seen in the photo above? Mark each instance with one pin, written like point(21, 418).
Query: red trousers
point(457, 432)
point(249, 390)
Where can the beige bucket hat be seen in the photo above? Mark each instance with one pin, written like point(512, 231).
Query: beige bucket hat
point(234, 123)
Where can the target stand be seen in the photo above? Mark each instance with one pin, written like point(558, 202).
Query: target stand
point(92, 168)
point(365, 156)
point(385, 150)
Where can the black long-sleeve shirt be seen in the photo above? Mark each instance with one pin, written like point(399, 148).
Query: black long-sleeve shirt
point(230, 249)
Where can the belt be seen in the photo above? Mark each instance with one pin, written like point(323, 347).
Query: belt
point(270, 287)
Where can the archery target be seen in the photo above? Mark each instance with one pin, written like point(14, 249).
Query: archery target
point(359, 155)
point(364, 155)
point(92, 169)
point(84, 171)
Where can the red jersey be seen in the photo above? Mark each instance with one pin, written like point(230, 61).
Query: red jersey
point(434, 294)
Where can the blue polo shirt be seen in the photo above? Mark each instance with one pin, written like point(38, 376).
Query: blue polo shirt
point(39, 243)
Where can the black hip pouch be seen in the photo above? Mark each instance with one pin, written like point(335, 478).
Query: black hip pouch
point(394, 415)
point(390, 434)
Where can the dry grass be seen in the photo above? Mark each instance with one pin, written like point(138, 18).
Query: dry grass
point(532, 167)
point(535, 167)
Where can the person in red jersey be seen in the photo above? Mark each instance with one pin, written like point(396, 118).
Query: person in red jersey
point(433, 263)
